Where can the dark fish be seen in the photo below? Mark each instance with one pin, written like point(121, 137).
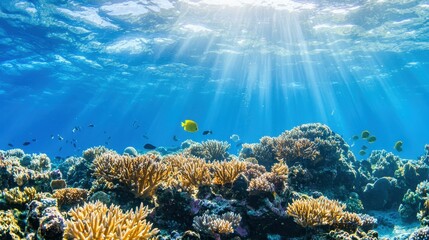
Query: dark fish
point(362, 152)
point(136, 125)
point(106, 143)
point(365, 134)
point(59, 149)
point(355, 137)
point(109, 138)
point(398, 146)
point(239, 144)
point(207, 132)
point(33, 139)
point(58, 158)
point(371, 139)
point(149, 146)
point(91, 125)
point(364, 147)
point(175, 138)
point(60, 138)
point(26, 143)
point(145, 137)
point(10, 144)
point(74, 145)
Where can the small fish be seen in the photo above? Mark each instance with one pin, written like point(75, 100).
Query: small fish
point(33, 139)
point(175, 138)
point(75, 129)
point(107, 143)
point(364, 147)
point(59, 149)
point(26, 144)
point(365, 134)
point(362, 152)
point(149, 146)
point(207, 132)
point(235, 137)
point(74, 145)
point(52, 136)
point(190, 126)
point(371, 139)
point(10, 144)
point(239, 144)
point(109, 137)
point(136, 125)
point(60, 138)
point(145, 137)
point(398, 146)
point(355, 137)
point(58, 158)
point(91, 125)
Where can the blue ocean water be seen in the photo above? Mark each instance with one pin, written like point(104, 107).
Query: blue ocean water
point(77, 74)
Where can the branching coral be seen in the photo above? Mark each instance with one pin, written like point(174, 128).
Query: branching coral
point(227, 171)
point(312, 212)
point(97, 221)
point(315, 212)
point(9, 228)
point(194, 173)
point(40, 163)
point(297, 150)
point(142, 174)
point(210, 150)
point(70, 196)
point(270, 181)
point(216, 150)
point(264, 151)
point(16, 196)
point(215, 224)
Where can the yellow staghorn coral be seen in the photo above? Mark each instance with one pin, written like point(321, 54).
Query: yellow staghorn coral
point(16, 196)
point(316, 212)
point(349, 222)
point(70, 196)
point(227, 171)
point(142, 174)
point(9, 228)
point(96, 221)
point(194, 173)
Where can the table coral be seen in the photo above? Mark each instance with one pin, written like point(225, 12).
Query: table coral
point(97, 221)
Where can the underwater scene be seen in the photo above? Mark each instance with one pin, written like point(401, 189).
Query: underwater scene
point(214, 119)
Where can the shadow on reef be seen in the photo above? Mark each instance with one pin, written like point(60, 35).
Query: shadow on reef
point(303, 184)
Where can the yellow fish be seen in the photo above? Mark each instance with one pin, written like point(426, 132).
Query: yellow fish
point(190, 126)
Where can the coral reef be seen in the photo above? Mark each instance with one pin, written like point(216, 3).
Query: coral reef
point(279, 188)
point(97, 221)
